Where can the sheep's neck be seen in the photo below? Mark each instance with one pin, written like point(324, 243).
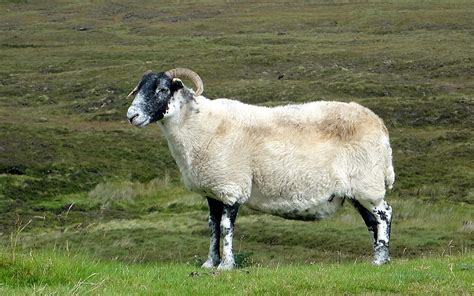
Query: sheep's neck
point(184, 137)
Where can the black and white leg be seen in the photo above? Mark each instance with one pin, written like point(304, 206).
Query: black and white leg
point(229, 214)
point(215, 214)
point(378, 220)
point(383, 215)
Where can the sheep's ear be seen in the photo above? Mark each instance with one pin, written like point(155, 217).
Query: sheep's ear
point(176, 84)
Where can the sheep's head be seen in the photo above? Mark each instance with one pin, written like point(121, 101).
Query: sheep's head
point(154, 93)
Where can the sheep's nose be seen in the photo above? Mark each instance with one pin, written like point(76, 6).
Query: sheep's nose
point(132, 113)
point(131, 118)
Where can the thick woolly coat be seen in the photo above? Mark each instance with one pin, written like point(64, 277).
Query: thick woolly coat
point(295, 161)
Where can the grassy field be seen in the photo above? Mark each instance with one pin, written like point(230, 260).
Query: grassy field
point(76, 189)
point(63, 274)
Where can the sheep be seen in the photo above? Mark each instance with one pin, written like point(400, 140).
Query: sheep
point(295, 161)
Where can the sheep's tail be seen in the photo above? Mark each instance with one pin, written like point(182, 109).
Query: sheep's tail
point(389, 176)
point(389, 172)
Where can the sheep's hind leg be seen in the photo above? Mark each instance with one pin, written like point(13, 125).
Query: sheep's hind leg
point(229, 214)
point(383, 215)
point(378, 220)
point(215, 214)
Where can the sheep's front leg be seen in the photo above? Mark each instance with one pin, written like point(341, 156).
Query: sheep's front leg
point(229, 214)
point(378, 220)
point(215, 214)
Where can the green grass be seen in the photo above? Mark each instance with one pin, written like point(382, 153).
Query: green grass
point(158, 221)
point(59, 273)
point(91, 184)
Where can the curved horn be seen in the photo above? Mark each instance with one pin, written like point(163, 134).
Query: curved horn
point(186, 73)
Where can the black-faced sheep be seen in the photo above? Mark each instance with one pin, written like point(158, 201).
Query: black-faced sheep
point(295, 161)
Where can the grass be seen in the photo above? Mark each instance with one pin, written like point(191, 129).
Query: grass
point(59, 273)
point(158, 221)
point(71, 163)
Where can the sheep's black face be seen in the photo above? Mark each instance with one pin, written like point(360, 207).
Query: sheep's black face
point(152, 97)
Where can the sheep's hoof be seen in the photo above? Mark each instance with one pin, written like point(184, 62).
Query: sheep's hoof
point(380, 262)
point(226, 265)
point(381, 255)
point(210, 263)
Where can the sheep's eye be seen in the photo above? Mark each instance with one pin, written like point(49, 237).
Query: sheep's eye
point(161, 89)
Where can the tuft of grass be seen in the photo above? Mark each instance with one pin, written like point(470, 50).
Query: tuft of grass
point(109, 193)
